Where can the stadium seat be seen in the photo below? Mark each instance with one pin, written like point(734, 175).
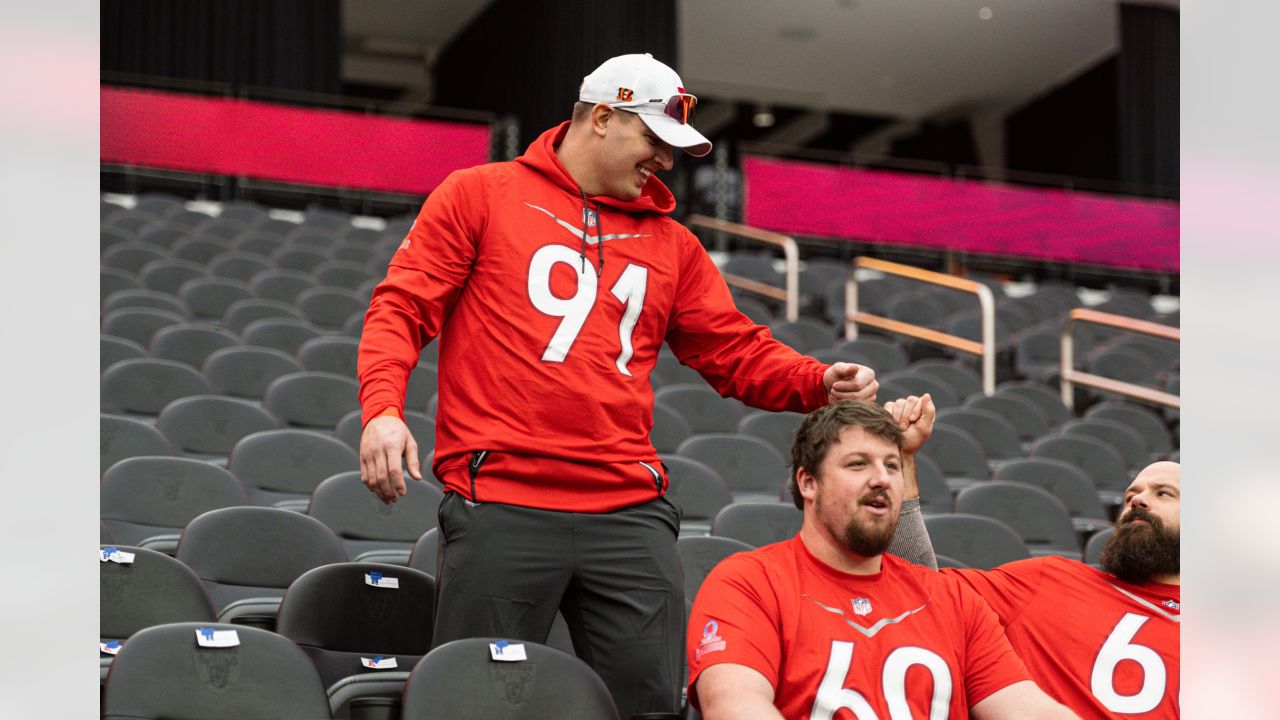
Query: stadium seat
point(935, 495)
point(146, 501)
point(112, 350)
point(669, 429)
point(1064, 481)
point(258, 243)
point(697, 490)
point(460, 680)
point(1037, 355)
point(919, 383)
point(328, 353)
point(1039, 517)
point(238, 265)
point(958, 455)
point(146, 385)
point(247, 556)
point(1123, 438)
point(1024, 415)
point(190, 343)
point(699, 555)
point(284, 334)
point(753, 266)
point(145, 299)
point(749, 465)
point(948, 562)
point(1097, 541)
point(247, 371)
point(286, 465)
point(209, 297)
point(338, 615)
point(200, 249)
point(159, 204)
point(677, 373)
point(354, 327)
point(759, 313)
point(703, 408)
point(757, 523)
point(121, 437)
point(1142, 419)
point(423, 384)
point(999, 439)
point(112, 280)
point(131, 222)
point(977, 541)
point(1048, 400)
point(210, 425)
point(187, 219)
point(162, 669)
point(960, 378)
point(280, 285)
point(161, 237)
point(359, 254)
point(1098, 460)
point(776, 428)
point(421, 426)
point(804, 334)
point(242, 312)
point(341, 274)
point(886, 356)
point(425, 552)
point(365, 523)
point(167, 275)
point(301, 259)
point(131, 255)
point(311, 399)
point(1124, 364)
point(275, 226)
point(139, 324)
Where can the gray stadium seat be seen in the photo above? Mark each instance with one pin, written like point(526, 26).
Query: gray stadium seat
point(311, 399)
point(121, 437)
point(421, 426)
point(131, 255)
point(247, 371)
point(699, 555)
point(139, 324)
point(146, 385)
point(144, 498)
point(1125, 364)
point(190, 343)
point(960, 378)
point(167, 275)
point(669, 429)
point(1039, 517)
point(703, 408)
point(329, 353)
point(161, 669)
point(759, 312)
point(254, 553)
point(919, 383)
point(423, 384)
point(958, 455)
point(354, 327)
point(425, 551)
point(329, 307)
point(1123, 438)
point(353, 253)
point(1097, 542)
point(210, 297)
point(365, 523)
point(1044, 397)
point(159, 204)
point(1098, 460)
point(886, 356)
point(258, 243)
point(998, 438)
point(113, 349)
point(749, 465)
point(242, 312)
point(245, 211)
point(284, 334)
point(281, 285)
point(458, 680)
point(935, 496)
point(1067, 483)
point(977, 541)
point(1023, 414)
point(161, 237)
point(200, 249)
point(145, 299)
point(676, 373)
point(776, 428)
point(288, 464)
point(804, 334)
point(112, 279)
point(238, 265)
point(341, 274)
point(1142, 419)
point(211, 424)
point(758, 523)
point(697, 490)
point(293, 257)
point(948, 562)
point(337, 617)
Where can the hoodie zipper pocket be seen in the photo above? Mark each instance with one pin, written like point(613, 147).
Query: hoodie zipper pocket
point(657, 477)
point(473, 469)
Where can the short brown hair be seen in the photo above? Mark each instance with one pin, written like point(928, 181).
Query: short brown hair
point(822, 427)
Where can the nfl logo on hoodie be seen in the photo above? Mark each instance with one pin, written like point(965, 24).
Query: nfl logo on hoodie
point(589, 218)
point(861, 606)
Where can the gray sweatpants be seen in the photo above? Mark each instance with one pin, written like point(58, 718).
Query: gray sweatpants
point(504, 570)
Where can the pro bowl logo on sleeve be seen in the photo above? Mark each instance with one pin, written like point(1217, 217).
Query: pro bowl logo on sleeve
point(861, 606)
point(711, 640)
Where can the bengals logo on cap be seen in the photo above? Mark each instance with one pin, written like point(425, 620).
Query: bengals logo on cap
point(625, 95)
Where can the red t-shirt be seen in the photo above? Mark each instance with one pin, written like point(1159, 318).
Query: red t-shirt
point(906, 637)
point(1103, 647)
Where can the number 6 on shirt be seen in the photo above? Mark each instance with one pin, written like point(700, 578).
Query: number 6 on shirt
point(573, 311)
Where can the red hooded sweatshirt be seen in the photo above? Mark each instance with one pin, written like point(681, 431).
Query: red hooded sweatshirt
point(545, 356)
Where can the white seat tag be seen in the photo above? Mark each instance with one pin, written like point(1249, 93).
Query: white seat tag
point(209, 637)
point(379, 663)
point(378, 580)
point(115, 555)
point(503, 651)
point(110, 648)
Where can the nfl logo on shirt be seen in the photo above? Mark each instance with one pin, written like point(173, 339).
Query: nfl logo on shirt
point(589, 218)
point(861, 606)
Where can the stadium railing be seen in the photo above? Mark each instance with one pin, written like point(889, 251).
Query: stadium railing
point(790, 293)
point(1070, 377)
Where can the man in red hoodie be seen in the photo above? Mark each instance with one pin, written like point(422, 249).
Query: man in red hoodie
point(551, 283)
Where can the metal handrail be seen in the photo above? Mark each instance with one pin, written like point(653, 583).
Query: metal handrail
point(1072, 377)
point(985, 349)
point(790, 295)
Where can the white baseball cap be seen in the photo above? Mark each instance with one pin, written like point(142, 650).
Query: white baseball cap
point(639, 84)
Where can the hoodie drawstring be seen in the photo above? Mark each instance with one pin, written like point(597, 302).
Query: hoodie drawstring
point(582, 253)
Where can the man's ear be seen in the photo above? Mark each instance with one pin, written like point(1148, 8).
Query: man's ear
point(807, 482)
point(601, 114)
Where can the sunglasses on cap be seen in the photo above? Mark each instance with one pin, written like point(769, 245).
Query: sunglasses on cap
point(677, 107)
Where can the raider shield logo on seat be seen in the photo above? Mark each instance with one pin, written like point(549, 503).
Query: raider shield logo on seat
point(218, 668)
point(379, 604)
point(512, 680)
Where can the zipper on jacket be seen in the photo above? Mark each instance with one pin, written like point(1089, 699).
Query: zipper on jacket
point(657, 477)
point(473, 468)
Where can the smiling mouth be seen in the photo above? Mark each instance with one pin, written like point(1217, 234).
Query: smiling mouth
point(643, 174)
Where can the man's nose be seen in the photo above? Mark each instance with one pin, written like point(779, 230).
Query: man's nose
point(665, 159)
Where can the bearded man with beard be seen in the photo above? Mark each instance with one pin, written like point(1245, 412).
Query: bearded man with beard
point(1102, 642)
point(827, 621)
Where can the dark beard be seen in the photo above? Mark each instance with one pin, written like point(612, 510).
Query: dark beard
point(1137, 552)
point(869, 540)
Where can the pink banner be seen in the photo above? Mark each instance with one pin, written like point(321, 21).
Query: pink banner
point(278, 142)
point(962, 215)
